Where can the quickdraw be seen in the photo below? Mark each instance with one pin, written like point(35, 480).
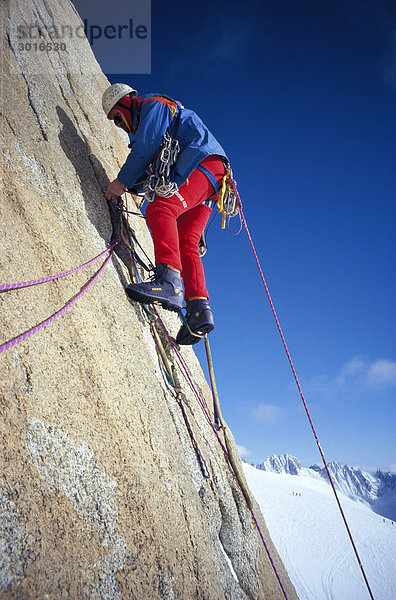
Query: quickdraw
point(229, 201)
point(158, 182)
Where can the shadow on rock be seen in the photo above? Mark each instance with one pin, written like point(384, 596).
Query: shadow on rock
point(93, 181)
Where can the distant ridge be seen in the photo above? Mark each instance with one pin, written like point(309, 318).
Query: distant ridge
point(378, 489)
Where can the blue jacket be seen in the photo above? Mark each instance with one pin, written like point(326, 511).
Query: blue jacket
point(152, 117)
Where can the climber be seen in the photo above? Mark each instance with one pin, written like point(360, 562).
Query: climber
point(179, 197)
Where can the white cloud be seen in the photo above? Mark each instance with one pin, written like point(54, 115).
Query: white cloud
point(356, 374)
point(392, 468)
point(382, 372)
point(353, 367)
point(243, 451)
point(268, 413)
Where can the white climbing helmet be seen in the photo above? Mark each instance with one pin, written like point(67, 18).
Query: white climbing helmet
point(113, 94)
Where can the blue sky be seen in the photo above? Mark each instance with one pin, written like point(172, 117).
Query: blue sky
point(302, 97)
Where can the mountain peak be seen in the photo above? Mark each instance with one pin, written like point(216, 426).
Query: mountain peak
point(284, 463)
point(377, 490)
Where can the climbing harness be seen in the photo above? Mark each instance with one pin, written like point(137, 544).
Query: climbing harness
point(228, 197)
point(159, 183)
point(228, 201)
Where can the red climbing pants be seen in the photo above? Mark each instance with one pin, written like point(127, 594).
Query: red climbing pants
point(177, 223)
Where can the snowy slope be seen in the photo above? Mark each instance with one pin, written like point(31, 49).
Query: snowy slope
point(377, 490)
point(307, 529)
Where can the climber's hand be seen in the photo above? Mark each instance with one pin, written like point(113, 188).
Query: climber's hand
point(115, 189)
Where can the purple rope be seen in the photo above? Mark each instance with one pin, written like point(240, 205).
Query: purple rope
point(202, 403)
point(202, 461)
point(60, 312)
point(14, 286)
point(179, 391)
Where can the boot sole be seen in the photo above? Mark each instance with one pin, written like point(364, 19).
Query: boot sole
point(145, 299)
point(190, 340)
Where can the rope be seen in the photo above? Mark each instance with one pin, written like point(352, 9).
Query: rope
point(226, 447)
point(185, 322)
point(14, 286)
point(305, 405)
point(239, 228)
point(127, 242)
point(127, 239)
point(219, 423)
point(179, 397)
point(60, 312)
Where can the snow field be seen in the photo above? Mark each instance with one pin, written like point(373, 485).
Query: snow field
point(306, 527)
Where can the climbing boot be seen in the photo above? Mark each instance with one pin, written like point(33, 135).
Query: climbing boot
point(197, 322)
point(165, 288)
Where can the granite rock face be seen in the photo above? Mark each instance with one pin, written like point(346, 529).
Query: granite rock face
point(102, 496)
